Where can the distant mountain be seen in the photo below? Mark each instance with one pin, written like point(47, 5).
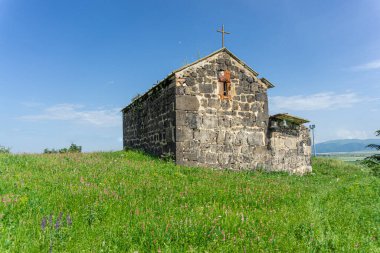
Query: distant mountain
point(345, 145)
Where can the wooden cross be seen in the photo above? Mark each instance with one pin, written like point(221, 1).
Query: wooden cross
point(223, 32)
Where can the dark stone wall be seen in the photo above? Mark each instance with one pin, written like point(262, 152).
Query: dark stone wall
point(290, 148)
point(149, 122)
point(221, 132)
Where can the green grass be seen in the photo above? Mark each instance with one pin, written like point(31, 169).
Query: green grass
point(127, 201)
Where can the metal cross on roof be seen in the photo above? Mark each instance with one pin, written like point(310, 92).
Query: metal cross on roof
point(223, 32)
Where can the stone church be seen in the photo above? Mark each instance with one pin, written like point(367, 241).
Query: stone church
point(214, 113)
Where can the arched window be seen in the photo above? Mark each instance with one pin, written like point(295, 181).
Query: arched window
point(224, 77)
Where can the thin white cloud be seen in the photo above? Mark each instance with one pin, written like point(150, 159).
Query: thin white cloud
point(319, 101)
point(353, 134)
point(77, 113)
point(373, 65)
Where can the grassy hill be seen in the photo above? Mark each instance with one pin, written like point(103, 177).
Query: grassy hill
point(126, 201)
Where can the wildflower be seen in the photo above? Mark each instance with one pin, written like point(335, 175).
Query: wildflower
point(57, 223)
point(69, 222)
point(51, 220)
point(43, 223)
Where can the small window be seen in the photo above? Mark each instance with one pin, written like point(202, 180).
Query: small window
point(224, 78)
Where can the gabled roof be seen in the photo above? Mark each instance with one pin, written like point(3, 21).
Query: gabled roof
point(290, 118)
point(223, 49)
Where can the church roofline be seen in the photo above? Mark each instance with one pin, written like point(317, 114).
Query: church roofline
point(269, 84)
point(150, 91)
point(291, 118)
point(223, 49)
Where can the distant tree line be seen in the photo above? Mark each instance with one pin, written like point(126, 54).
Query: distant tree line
point(72, 149)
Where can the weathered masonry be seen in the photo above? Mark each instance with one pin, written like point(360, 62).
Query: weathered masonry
point(214, 113)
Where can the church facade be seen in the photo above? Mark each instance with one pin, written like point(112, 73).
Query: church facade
point(214, 113)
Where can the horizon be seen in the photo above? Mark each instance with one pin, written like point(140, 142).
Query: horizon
point(67, 69)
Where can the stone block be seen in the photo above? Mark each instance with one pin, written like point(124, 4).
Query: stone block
point(224, 159)
point(180, 118)
point(256, 107)
point(222, 66)
point(228, 148)
point(225, 104)
point(210, 111)
point(254, 88)
point(193, 120)
point(207, 147)
point(290, 143)
point(224, 121)
point(184, 134)
point(183, 145)
point(206, 88)
point(204, 102)
point(180, 90)
point(190, 81)
point(194, 90)
point(241, 138)
point(201, 72)
point(210, 122)
point(266, 109)
point(249, 121)
point(244, 106)
point(229, 138)
point(237, 122)
point(244, 114)
point(238, 90)
point(221, 135)
point(187, 103)
point(220, 61)
point(211, 73)
point(211, 158)
point(244, 84)
point(260, 97)
point(191, 155)
point(205, 136)
point(246, 150)
point(255, 138)
point(214, 103)
point(250, 98)
point(235, 105)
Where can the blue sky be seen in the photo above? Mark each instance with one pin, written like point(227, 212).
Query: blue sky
point(68, 67)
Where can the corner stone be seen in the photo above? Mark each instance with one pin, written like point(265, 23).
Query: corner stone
point(187, 103)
